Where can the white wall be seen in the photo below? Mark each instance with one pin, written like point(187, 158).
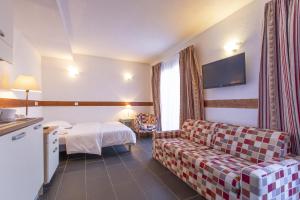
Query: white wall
point(246, 26)
point(100, 79)
point(27, 61)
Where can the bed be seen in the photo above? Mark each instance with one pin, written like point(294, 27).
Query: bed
point(91, 137)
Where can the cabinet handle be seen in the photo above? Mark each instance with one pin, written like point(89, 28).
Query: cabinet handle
point(55, 150)
point(37, 127)
point(54, 133)
point(19, 136)
point(54, 141)
point(2, 34)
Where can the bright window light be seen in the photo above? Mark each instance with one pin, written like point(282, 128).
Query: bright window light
point(170, 94)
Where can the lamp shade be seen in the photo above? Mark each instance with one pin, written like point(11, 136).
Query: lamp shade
point(26, 83)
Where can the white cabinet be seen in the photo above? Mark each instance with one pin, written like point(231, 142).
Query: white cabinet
point(21, 168)
point(6, 30)
point(6, 21)
point(51, 153)
point(6, 52)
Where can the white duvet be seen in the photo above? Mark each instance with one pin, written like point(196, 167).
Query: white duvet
point(91, 137)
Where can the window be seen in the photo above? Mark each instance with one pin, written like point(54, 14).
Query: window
point(170, 94)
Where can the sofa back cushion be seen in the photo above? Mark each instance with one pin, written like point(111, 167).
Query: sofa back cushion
point(203, 132)
point(187, 127)
point(252, 144)
point(224, 137)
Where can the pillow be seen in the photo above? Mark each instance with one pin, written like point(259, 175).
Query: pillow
point(60, 124)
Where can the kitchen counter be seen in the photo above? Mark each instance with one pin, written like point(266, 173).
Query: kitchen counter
point(8, 127)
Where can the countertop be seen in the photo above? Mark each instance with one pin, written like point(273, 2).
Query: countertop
point(8, 127)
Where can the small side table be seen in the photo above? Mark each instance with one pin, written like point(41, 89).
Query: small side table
point(127, 122)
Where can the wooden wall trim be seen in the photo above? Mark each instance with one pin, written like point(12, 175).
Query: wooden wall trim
point(93, 103)
point(13, 103)
point(232, 103)
point(229, 103)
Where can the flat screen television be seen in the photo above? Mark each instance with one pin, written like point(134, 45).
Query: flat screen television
point(226, 72)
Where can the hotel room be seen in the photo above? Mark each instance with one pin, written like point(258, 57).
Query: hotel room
point(150, 99)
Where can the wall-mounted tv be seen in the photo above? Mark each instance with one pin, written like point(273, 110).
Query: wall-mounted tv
point(226, 72)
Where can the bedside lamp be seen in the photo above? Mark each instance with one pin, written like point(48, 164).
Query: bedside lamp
point(26, 83)
point(128, 108)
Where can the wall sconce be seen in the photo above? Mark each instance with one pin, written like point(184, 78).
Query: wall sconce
point(232, 46)
point(73, 71)
point(128, 76)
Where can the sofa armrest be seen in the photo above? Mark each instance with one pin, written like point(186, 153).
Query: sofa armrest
point(166, 134)
point(276, 179)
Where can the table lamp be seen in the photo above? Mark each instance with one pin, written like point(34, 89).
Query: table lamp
point(26, 83)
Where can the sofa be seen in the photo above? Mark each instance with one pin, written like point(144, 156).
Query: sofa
point(222, 161)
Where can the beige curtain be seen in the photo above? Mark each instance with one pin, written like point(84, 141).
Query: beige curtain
point(191, 87)
point(279, 94)
point(156, 93)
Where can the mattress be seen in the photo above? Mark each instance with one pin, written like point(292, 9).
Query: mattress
point(114, 133)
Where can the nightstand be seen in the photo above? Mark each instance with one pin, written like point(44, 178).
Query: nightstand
point(127, 122)
point(51, 152)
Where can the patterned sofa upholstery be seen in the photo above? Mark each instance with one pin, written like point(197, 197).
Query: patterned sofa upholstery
point(145, 123)
point(222, 161)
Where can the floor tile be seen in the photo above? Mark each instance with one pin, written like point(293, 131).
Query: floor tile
point(146, 179)
point(95, 170)
point(133, 165)
point(119, 174)
point(72, 187)
point(75, 165)
point(52, 193)
point(99, 188)
point(197, 197)
point(129, 191)
point(156, 167)
point(93, 158)
point(160, 193)
point(177, 186)
point(112, 160)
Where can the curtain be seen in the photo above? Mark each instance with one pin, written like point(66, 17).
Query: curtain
point(156, 93)
point(170, 94)
point(191, 87)
point(279, 86)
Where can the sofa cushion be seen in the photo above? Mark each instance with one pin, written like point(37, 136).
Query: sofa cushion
point(202, 132)
point(175, 146)
point(224, 137)
point(169, 151)
point(252, 144)
point(187, 127)
point(215, 167)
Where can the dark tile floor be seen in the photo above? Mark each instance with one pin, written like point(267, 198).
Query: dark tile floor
point(116, 175)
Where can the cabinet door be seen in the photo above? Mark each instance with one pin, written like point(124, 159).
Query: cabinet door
point(35, 159)
point(21, 168)
point(6, 21)
point(52, 160)
point(13, 166)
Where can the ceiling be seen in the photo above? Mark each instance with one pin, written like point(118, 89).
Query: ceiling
point(134, 30)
